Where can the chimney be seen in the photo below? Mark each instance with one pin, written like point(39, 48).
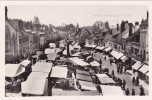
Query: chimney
point(136, 23)
point(147, 14)
point(142, 21)
point(130, 29)
point(117, 27)
point(122, 26)
point(6, 12)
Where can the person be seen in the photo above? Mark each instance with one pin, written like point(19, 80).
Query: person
point(124, 83)
point(133, 92)
point(118, 70)
point(137, 81)
point(133, 80)
point(99, 90)
point(127, 92)
point(142, 91)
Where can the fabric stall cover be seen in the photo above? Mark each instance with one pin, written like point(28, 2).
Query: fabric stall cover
point(79, 61)
point(34, 86)
point(144, 69)
point(124, 58)
point(84, 77)
point(13, 70)
point(42, 67)
point(95, 63)
point(38, 75)
point(137, 65)
point(87, 85)
point(104, 79)
point(48, 50)
point(59, 72)
point(82, 72)
point(108, 90)
point(25, 63)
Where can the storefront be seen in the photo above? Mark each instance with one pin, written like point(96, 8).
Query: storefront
point(142, 72)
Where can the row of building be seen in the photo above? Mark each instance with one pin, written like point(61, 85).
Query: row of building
point(130, 39)
point(24, 38)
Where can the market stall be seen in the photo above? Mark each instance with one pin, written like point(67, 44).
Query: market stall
point(42, 67)
point(83, 77)
point(111, 90)
point(82, 72)
point(38, 75)
point(35, 87)
point(104, 79)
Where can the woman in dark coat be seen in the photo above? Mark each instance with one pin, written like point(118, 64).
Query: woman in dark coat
point(133, 80)
point(133, 92)
point(127, 92)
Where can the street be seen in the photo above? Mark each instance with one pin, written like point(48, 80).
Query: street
point(122, 76)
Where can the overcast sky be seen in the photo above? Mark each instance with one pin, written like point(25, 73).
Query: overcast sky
point(85, 15)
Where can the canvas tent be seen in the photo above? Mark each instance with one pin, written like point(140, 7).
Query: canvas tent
point(108, 90)
point(25, 63)
point(104, 79)
point(42, 67)
point(13, 70)
point(38, 75)
point(78, 61)
point(35, 86)
point(48, 50)
point(59, 72)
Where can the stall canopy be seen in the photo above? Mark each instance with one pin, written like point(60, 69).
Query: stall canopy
point(111, 90)
point(65, 52)
point(137, 65)
point(52, 56)
point(25, 62)
point(84, 77)
point(82, 72)
point(77, 54)
point(34, 86)
point(144, 69)
point(87, 85)
point(61, 45)
point(76, 46)
point(13, 70)
point(119, 55)
point(48, 50)
point(104, 79)
point(93, 46)
point(52, 45)
point(42, 67)
point(107, 49)
point(124, 58)
point(95, 63)
point(79, 61)
point(116, 54)
point(101, 48)
point(59, 72)
point(38, 75)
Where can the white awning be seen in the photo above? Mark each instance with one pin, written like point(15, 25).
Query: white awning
point(87, 85)
point(76, 46)
point(119, 55)
point(52, 56)
point(79, 61)
point(107, 49)
point(84, 77)
point(114, 53)
point(124, 58)
point(59, 72)
point(25, 63)
point(88, 58)
point(93, 46)
point(34, 86)
point(95, 63)
point(82, 72)
point(111, 90)
point(65, 52)
point(48, 50)
point(104, 79)
point(76, 54)
point(137, 65)
point(52, 45)
point(13, 70)
point(101, 48)
point(38, 75)
point(144, 69)
point(42, 67)
point(57, 50)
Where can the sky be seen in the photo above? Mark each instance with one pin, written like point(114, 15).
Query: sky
point(84, 15)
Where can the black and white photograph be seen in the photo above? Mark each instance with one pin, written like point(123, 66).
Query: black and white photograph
point(76, 50)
